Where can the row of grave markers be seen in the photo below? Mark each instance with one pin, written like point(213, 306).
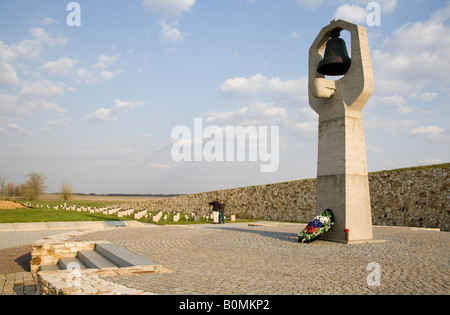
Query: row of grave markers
point(128, 212)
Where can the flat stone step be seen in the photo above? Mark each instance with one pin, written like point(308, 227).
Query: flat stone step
point(94, 260)
point(122, 257)
point(49, 268)
point(67, 263)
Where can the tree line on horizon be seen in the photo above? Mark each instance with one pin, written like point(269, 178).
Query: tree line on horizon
point(32, 188)
point(35, 186)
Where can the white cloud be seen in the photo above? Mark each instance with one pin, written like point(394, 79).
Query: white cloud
point(48, 21)
point(101, 115)
point(396, 102)
point(98, 72)
point(8, 76)
point(32, 48)
point(399, 70)
point(42, 88)
point(105, 61)
point(426, 97)
point(19, 130)
point(108, 115)
point(292, 122)
point(271, 105)
point(126, 105)
point(58, 123)
point(170, 33)
point(15, 105)
point(169, 8)
point(255, 114)
point(351, 13)
point(59, 67)
point(433, 133)
point(106, 75)
point(387, 6)
point(6, 53)
point(296, 35)
point(378, 123)
point(43, 37)
point(259, 85)
point(8, 105)
point(33, 97)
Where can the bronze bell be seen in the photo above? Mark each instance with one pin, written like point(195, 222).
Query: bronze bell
point(336, 60)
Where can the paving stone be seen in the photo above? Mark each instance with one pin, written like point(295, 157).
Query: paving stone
point(239, 259)
point(267, 259)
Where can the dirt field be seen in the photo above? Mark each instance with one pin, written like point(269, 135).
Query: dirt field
point(10, 205)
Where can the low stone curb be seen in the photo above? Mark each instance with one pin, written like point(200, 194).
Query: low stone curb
point(77, 225)
point(91, 281)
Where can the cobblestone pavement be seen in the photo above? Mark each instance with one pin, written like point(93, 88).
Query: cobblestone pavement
point(21, 283)
point(22, 238)
point(15, 257)
point(238, 259)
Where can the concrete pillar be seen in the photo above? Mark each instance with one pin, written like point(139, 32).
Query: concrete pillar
point(342, 177)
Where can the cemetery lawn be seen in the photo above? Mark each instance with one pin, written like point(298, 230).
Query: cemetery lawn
point(189, 220)
point(51, 215)
point(46, 215)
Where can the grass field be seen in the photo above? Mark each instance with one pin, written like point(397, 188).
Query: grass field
point(84, 200)
point(45, 215)
point(25, 215)
point(50, 215)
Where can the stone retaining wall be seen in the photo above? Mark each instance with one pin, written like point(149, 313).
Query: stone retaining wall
point(81, 282)
point(48, 251)
point(411, 198)
point(416, 198)
point(91, 281)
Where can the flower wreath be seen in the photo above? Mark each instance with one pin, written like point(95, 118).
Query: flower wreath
point(317, 227)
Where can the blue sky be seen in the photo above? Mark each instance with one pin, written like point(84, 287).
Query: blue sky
point(95, 105)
